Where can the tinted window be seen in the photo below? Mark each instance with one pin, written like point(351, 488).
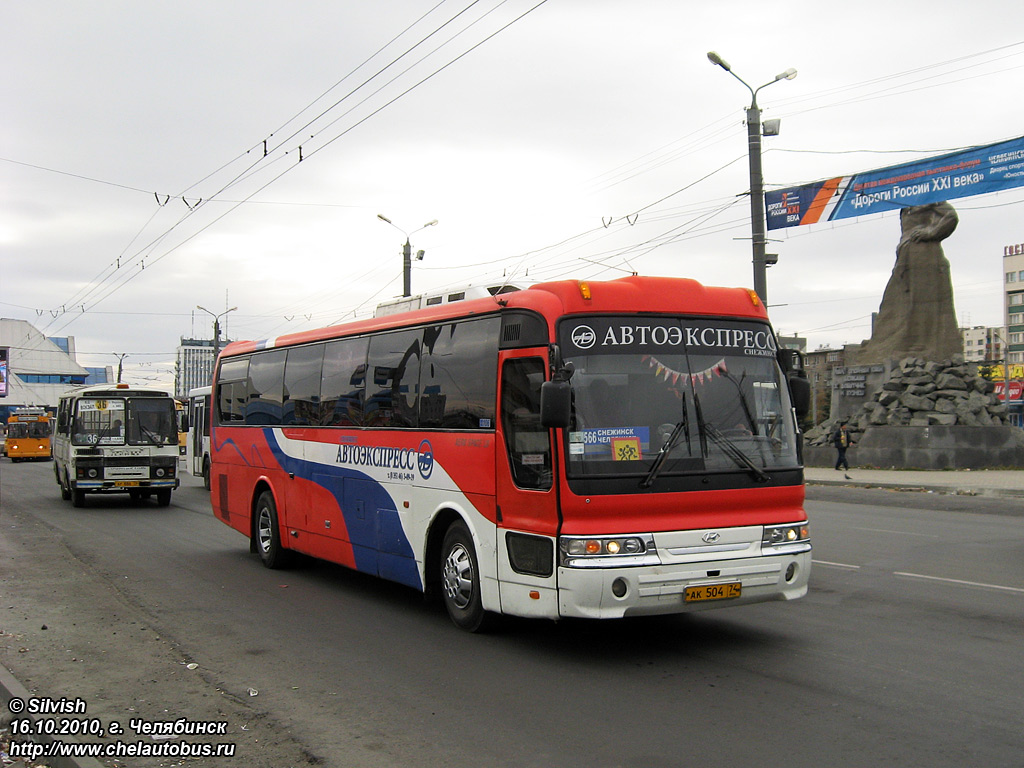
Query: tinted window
point(343, 387)
point(458, 380)
point(266, 388)
point(302, 385)
point(232, 390)
point(394, 367)
point(528, 443)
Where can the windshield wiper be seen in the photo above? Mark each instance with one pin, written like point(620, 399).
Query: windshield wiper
point(666, 449)
point(673, 438)
point(155, 438)
point(730, 449)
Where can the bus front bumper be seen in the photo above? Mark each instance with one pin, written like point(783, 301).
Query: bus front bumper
point(600, 593)
point(113, 486)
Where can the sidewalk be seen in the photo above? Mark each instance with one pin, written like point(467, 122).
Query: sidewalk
point(984, 482)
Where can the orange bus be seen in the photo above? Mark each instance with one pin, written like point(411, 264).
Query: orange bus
point(574, 449)
point(28, 434)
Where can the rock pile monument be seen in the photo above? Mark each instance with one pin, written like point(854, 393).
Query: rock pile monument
point(907, 392)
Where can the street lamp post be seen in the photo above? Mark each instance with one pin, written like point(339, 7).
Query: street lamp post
point(407, 252)
point(216, 326)
point(1006, 369)
point(757, 227)
point(120, 364)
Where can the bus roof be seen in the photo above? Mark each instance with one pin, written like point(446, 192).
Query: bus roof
point(114, 390)
point(634, 294)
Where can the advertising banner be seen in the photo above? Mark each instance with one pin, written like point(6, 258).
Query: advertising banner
point(4, 352)
point(974, 171)
point(1016, 387)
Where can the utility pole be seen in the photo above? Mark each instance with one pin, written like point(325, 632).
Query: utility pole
point(407, 252)
point(757, 227)
point(216, 326)
point(120, 364)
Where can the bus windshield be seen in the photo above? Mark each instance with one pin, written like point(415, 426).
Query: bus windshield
point(676, 396)
point(136, 421)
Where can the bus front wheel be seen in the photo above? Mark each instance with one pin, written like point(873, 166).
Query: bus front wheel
point(65, 487)
point(268, 533)
point(460, 580)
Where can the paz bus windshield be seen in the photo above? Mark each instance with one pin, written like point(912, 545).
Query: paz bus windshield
point(132, 421)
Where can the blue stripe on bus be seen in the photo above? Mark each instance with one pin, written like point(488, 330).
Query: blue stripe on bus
point(379, 542)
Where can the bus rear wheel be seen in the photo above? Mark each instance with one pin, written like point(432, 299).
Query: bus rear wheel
point(267, 533)
point(460, 580)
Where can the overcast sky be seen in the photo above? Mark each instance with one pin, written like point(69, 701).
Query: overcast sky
point(570, 139)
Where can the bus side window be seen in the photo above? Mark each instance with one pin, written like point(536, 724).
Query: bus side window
point(232, 390)
point(394, 372)
point(527, 442)
point(343, 385)
point(302, 386)
point(265, 403)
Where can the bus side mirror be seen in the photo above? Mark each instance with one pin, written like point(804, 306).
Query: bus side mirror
point(790, 360)
point(799, 392)
point(555, 404)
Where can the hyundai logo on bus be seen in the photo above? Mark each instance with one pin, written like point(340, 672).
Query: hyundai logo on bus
point(758, 341)
point(384, 457)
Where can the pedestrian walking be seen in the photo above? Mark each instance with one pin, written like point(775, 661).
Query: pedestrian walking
point(842, 440)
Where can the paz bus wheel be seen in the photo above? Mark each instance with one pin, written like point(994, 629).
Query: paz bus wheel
point(65, 490)
point(77, 498)
point(460, 580)
point(163, 497)
point(267, 533)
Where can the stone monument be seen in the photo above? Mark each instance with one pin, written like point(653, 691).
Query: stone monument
point(907, 392)
point(916, 317)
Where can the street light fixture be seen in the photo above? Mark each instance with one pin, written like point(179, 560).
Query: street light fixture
point(407, 252)
point(216, 326)
point(120, 363)
point(998, 333)
point(757, 227)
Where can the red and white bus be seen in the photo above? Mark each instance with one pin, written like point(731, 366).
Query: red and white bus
point(601, 449)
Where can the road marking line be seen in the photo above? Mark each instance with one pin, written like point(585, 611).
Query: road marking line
point(836, 565)
point(959, 581)
point(900, 533)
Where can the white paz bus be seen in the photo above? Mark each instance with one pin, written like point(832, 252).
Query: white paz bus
point(116, 438)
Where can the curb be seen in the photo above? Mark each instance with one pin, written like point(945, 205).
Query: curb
point(10, 689)
point(953, 490)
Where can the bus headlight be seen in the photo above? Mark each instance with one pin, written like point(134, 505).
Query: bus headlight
point(607, 551)
point(160, 472)
point(792, 536)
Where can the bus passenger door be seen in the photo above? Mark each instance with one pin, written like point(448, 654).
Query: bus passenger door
point(526, 494)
